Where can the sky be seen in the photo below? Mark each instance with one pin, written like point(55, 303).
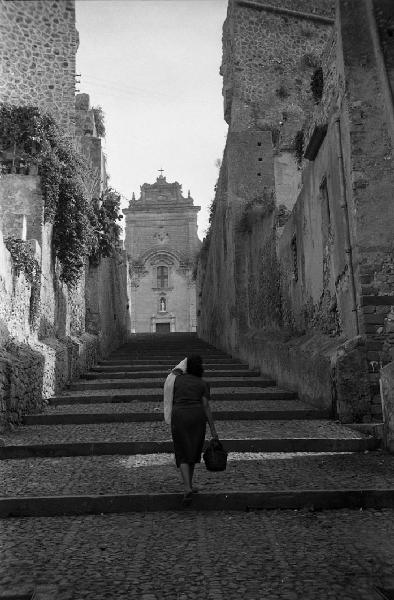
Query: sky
point(153, 66)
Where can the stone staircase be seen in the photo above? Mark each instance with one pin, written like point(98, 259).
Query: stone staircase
point(102, 445)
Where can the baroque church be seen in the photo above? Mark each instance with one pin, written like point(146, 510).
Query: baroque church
point(162, 244)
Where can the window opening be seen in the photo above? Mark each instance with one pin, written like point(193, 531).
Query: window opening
point(162, 277)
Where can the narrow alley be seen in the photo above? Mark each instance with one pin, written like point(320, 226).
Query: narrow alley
point(101, 447)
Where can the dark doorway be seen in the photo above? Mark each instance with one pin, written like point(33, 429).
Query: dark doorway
point(163, 328)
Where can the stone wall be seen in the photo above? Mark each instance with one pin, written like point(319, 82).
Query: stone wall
point(300, 287)
point(38, 43)
point(71, 332)
point(268, 60)
point(21, 206)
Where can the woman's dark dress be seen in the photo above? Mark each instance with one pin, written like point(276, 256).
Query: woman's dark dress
point(188, 420)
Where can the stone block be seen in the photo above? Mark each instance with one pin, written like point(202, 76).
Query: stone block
point(377, 318)
point(377, 300)
point(368, 310)
point(372, 328)
point(387, 387)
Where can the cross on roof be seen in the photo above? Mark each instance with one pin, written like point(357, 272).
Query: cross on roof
point(161, 172)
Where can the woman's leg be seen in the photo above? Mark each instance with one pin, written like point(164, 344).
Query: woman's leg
point(187, 475)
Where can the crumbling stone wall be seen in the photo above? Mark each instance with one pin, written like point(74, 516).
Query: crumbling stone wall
point(38, 42)
point(268, 60)
point(39, 356)
point(322, 256)
point(21, 206)
point(383, 12)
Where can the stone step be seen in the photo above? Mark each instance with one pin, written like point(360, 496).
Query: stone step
point(138, 417)
point(169, 363)
point(155, 437)
point(75, 485)
point(152, 383)
point(212, 368)
point(166, 353)
point(22, 451)
point(152, 395)
point(162, 374)
point(149, 406)
point(313, 500)
point(158, 474)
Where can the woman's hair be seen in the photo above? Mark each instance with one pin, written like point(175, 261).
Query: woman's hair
point(194, 365)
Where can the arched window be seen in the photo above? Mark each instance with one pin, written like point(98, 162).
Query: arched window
point(162, 277)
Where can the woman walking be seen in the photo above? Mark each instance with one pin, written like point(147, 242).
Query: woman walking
point(190, 413)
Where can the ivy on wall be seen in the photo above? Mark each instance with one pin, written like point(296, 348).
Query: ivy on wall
point(81, 227)
point(24, 261)
point(98, 115)
point(264, 288)
point(106, 214)
point(258, 208)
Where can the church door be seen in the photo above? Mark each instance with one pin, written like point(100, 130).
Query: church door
point(163, 328)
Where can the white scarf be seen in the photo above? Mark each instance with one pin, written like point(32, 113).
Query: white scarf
point(169, 390)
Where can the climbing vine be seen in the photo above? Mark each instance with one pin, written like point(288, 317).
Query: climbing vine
point(106, 217)
point(24, 261)
point(258, 208)
point(98, 115)
point(80, 229)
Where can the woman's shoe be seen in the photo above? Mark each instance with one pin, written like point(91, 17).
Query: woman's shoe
point(187, 499)
point(195, 490)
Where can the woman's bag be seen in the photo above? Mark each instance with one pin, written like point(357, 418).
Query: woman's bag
point(215, 456)
point(168, 392)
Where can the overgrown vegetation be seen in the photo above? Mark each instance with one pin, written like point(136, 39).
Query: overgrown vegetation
point(24, 261)
point(99, 120)
point(256, 209)
point(81, 227)
point(264, 288)
point(107, 229)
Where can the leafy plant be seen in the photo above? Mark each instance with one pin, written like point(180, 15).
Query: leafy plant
point(106, 215)
point(67, 186)
point(24, 261)
point(258, 208)
point(99, 120)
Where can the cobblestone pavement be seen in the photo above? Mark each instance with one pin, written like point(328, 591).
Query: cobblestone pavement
point(158, 431)
point(189, 555)
point(157, 407)
point(274, 555)
point(157, 474)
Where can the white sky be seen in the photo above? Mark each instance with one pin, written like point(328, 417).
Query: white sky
point(153, 66)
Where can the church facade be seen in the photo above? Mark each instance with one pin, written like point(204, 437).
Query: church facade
point(162, 243)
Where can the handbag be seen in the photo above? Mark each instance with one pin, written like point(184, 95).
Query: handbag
point(215, 456)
